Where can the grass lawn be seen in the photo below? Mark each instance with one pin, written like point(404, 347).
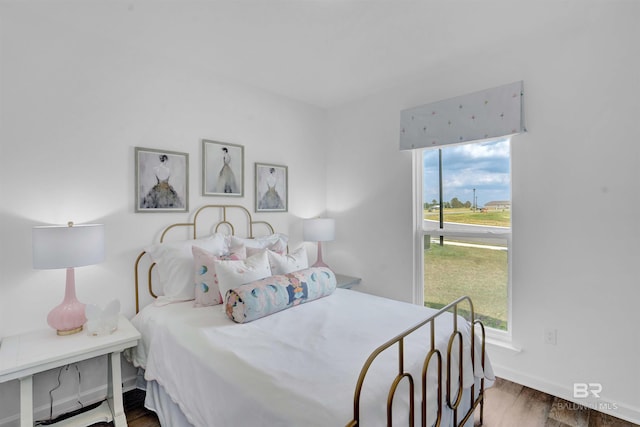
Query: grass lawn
point(467, 216)
point(454, 271)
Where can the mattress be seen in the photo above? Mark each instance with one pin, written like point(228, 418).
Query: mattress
point(298, 367)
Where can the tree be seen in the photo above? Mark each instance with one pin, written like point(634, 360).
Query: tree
point(455, 203)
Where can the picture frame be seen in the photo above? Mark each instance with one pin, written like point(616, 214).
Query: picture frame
point(162, 180)
point(222, 169)
point(272, 188)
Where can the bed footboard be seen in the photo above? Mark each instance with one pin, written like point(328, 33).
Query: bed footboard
point(452, 395)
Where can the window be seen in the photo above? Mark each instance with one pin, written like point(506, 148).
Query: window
point(466, 227)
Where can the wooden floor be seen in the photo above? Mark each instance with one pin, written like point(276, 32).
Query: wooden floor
point(509, 405)
point(137, 414)
point(506, 405)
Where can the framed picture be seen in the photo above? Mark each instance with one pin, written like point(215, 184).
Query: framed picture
point(222, 169)
point(271, 188)
point(162, 180)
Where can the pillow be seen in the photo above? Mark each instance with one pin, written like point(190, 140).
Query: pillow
point(175, 265)
point(207, 291)
point(283, 264)
point(275, 242)
point(276, 293)
point(232, 274)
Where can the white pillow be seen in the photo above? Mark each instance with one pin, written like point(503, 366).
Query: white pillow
point(293, 261)
point(234, 273)
point(175, 265)
point(275, 242)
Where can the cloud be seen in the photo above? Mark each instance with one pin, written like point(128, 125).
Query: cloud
point(484, 167)
point(491, 150)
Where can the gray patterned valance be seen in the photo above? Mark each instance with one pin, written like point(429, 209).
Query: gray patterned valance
point(487, 114)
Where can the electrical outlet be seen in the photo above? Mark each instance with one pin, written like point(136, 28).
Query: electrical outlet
point(551, 336)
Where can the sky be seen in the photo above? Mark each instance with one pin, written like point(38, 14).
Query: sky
point(483, 166)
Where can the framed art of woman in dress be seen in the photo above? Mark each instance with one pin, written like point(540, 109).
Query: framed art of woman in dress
point(271, 188)
point(222, 169)
point(162, 180)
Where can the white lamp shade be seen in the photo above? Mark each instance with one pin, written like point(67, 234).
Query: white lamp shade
point(318, 229)
point(67, 246)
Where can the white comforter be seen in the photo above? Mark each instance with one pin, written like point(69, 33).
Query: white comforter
point(298, 367)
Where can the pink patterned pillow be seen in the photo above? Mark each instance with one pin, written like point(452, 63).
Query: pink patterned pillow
point(206, 283)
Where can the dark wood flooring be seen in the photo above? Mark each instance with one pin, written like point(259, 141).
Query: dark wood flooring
point(506, 405)
point(137, 414)
point(511, 405)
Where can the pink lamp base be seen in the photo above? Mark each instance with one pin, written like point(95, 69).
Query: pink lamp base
point(319, 262)
point(68, 317)
point(70, 331)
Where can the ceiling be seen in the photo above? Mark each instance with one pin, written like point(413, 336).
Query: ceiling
point(321, 52)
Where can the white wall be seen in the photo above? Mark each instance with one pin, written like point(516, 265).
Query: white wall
point(576, 175)
point(74, 106)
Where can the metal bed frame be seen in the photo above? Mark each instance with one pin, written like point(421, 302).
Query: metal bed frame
point(453, 399)
point(223, 221)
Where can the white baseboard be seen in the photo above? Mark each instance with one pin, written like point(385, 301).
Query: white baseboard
point(607, 406)
point(68, 403)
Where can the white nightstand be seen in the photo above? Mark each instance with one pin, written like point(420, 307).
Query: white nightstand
point(346, 282)
point(22, 356)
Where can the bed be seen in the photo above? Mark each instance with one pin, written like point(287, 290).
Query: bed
point(320, 356)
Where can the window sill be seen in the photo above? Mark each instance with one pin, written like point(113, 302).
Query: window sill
point(502, 343)
point(496, 232)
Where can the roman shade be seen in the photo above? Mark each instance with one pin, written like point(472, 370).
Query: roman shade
point(488, 114)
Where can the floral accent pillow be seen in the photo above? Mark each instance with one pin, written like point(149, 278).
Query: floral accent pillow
point(207, 290)
point(276, 293)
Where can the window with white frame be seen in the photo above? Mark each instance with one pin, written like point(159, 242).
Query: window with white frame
point(466, 227)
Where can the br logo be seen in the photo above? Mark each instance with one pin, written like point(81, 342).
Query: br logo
point(582, 390)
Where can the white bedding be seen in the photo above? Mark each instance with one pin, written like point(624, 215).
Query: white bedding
point(298, 367)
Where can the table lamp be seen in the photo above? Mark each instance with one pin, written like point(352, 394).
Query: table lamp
point(319, 230)
point(67, 247)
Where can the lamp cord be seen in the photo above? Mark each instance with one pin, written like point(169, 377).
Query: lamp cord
point(66, 367)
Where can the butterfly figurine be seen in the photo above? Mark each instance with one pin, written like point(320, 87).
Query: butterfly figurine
point(102, 321)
